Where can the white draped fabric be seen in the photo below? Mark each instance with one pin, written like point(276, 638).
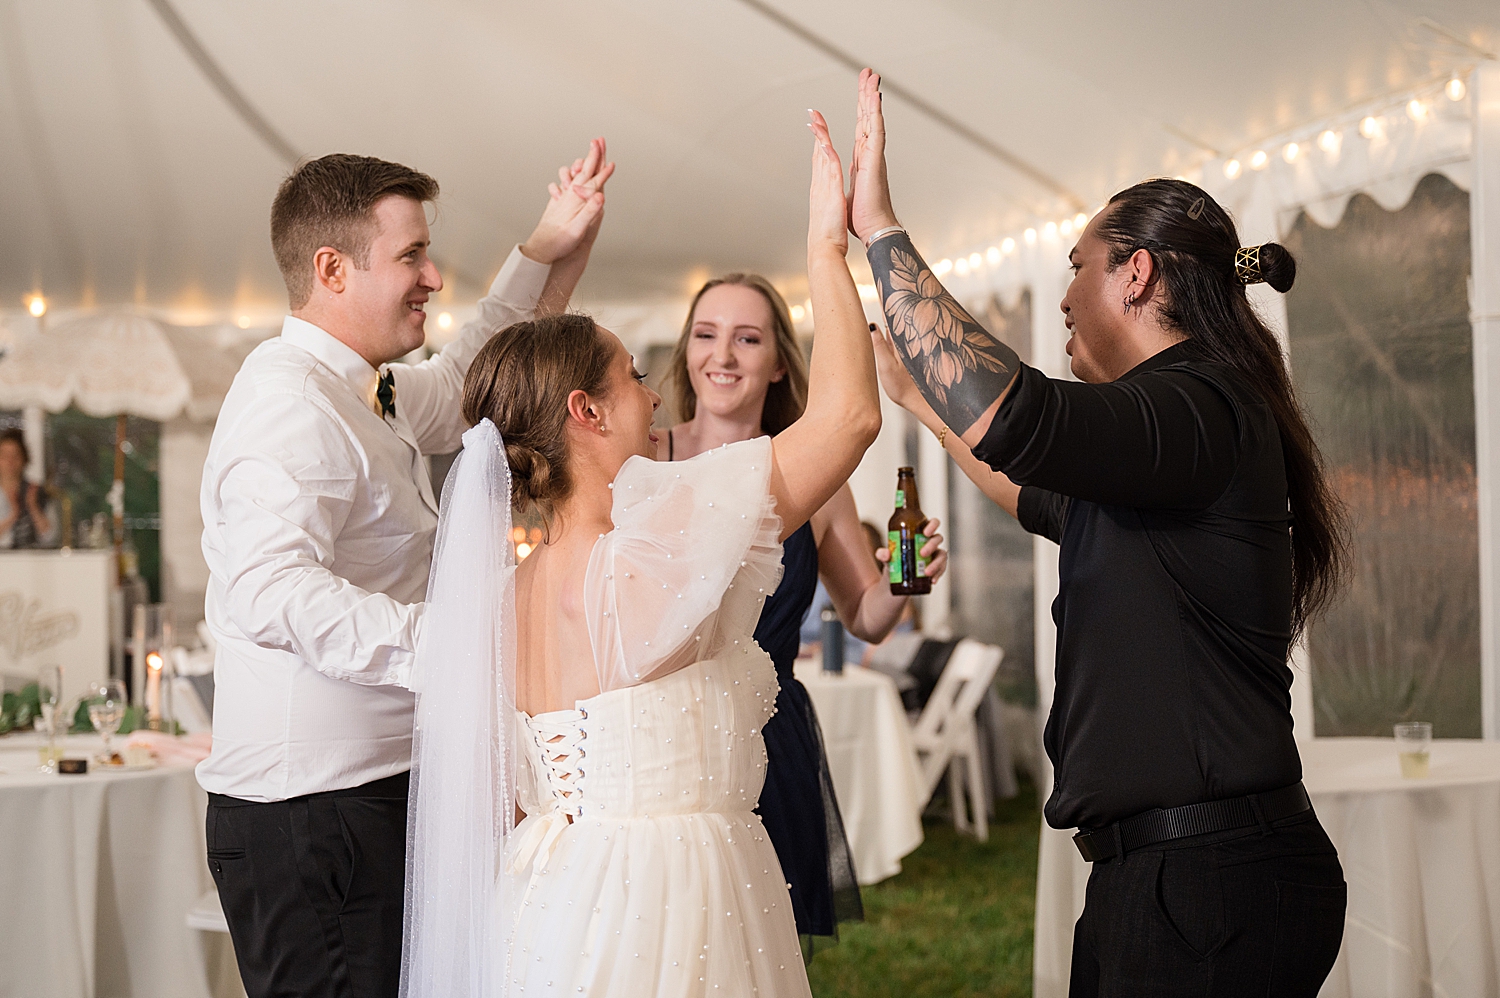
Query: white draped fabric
point(873, 763)
point(98, 874)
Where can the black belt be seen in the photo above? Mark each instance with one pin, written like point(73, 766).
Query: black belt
point(1165, 824)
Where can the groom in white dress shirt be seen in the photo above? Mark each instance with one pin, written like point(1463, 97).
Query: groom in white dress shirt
point(319, 520)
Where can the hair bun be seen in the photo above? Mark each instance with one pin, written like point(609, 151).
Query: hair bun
point(1271, 263)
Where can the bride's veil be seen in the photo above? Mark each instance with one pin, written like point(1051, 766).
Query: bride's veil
point(462, 804)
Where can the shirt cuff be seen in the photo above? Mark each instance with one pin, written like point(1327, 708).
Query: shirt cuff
point(1014, 423)
point(519, 283)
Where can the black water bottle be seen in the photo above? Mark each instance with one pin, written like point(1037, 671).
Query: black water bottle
point(833, 641)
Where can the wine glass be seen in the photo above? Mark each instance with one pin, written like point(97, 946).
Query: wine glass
point(106, 712)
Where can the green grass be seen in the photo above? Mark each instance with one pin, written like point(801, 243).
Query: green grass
point(955, 923)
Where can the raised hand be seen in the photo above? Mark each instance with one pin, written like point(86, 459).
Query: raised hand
point(869, 190)
point(825, 209)
point(575, 207)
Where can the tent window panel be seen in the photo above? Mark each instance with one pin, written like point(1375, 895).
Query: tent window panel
point(1381, 354)
point(81, 462)
point(993, 589)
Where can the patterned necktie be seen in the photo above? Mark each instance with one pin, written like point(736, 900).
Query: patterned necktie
point(385, 394)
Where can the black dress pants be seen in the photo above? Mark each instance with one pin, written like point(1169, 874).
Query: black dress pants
point(312, 888)
point(1223, 915)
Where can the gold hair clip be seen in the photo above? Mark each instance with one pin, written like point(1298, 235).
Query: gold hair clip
point(1196, 209)
point(1247, 265)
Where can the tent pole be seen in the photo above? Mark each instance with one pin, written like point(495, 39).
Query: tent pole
point(118, 492)
point(1484, 303)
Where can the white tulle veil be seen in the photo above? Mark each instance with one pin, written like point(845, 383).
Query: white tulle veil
point(462, 805)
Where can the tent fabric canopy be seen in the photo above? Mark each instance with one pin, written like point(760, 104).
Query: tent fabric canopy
point(131, 179)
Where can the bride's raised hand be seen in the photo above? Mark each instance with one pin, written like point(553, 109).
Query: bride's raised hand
point(575, 206)
point(826, 210)
point(869, 190)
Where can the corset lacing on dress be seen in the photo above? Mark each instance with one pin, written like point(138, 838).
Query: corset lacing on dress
point(559, 738)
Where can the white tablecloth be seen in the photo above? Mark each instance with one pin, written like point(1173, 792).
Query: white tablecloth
point(1422, 859)
point(873, 763)
point(97, 874)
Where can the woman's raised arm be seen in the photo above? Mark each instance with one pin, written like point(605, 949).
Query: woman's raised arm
point(817, 453)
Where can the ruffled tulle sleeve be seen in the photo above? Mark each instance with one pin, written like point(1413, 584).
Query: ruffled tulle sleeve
point(695, 550)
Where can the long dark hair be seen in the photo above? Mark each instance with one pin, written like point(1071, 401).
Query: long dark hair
point(1193, 242)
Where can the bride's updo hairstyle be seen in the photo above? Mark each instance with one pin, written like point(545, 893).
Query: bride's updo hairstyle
point(1201, 275)
point(520, 380)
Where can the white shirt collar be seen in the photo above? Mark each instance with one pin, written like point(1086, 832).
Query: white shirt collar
point(332, 353)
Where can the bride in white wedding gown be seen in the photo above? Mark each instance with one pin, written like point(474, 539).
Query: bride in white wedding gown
point(609, 689)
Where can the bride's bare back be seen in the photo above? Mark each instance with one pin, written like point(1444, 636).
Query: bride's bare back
point(554, 656)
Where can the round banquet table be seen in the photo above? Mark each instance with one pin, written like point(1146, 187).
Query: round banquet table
point(97, 874)
point(1421, 857)
point(873, 763)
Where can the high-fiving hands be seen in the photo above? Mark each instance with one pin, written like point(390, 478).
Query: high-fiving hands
point(826, 212)
point(869, 190)
point(575, 207)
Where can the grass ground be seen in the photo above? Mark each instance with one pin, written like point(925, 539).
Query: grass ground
point(955, 923)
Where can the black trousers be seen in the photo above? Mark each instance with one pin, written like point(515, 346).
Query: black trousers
point(312, 888)
point(1226, 915)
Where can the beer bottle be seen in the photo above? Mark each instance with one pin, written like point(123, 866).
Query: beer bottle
point(905, 539)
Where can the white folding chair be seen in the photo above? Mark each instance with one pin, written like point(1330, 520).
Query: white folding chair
point(946, 738)
point(207, 915)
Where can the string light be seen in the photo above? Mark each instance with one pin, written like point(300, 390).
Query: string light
point(243, 322)
point(961, 266)
point(1030, 236)
point(445, 319)
point(975, 261)
point(1416, 110)
point(1080, 220)
point(1232, 169)
point(1259, 159)
point(37, 306)
point(942, 267)
point(992, 255)
point(1008, 246)
point(1369, 126)
point(1329, 141)
point(798, 312)
point(522, 550)
point(1290, 151)
point(1050, 230)
point(1456, 89)
point(1065, 226)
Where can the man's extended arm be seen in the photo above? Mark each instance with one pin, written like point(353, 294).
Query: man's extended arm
point(961, 369)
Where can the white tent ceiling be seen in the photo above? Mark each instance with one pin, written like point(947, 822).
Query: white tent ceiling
point(129, 177)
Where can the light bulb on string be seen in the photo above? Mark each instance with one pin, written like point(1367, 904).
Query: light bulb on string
point(942, 267)
point(445, 320)
point(798, 312)
point(243, 322)
point(1456, 89)
point(1030, 236)
point(992, 255)
point(1290, 152)
point(1050, 230)
point(1259, 159)
point(1329, 141)
point(1065, 226)
point(1369, 126)
point(975, 261)
point(961, 266)
point(1080, 220)
point(1008, 245)
point(1232, 169)
point(1416, 110)
point(37, 306)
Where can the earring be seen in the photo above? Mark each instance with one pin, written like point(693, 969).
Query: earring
point(1129, 301)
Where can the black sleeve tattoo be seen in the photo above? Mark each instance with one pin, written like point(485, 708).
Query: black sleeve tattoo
point(960, 368)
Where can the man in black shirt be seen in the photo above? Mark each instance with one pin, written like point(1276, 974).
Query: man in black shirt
point(1197, 536)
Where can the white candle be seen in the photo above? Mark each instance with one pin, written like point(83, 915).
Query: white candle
point(153, 686)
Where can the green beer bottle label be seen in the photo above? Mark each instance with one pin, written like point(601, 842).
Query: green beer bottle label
point(907, 563)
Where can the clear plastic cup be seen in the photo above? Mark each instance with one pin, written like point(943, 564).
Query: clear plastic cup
point(1414, 748)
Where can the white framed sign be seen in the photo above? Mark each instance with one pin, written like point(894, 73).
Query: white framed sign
point(54, 610)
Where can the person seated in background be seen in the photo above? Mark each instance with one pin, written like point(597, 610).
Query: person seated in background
point(27, 519)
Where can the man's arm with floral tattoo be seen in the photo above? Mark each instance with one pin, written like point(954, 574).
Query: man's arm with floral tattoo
point(961, 369)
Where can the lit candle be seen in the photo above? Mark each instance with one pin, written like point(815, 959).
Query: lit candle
point(153, 688)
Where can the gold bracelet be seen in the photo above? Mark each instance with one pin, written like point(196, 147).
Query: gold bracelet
point(943, 435)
